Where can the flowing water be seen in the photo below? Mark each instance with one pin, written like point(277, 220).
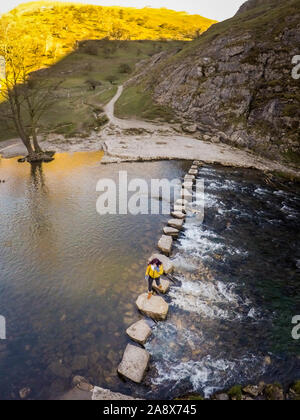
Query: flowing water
point(69, 278)
point(238, 290)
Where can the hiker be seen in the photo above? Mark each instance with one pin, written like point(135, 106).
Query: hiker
point(154, 271)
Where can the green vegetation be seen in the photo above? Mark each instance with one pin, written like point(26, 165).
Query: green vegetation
point(58, 27)
point(236, 392)
point(89, 81)
point(296, 388)
point(135, 102)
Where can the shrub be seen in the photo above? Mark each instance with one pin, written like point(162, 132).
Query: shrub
point(125, 68)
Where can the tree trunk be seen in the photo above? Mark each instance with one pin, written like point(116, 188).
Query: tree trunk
point(36, 145)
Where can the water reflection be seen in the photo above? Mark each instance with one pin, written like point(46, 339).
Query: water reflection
point(69, 277)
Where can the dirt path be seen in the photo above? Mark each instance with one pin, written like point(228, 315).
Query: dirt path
point(126, 124)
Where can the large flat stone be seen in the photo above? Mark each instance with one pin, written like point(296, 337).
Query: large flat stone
point(194, 167)
point(193, 172)
point(181, 202)
point(165, 244)
point(167, 263)
point(155, 307)
point(196, 163)
point(176, 223)
point(101, 394)
point(165, 286)
point(188, 185)
point(139, 332)
point(134, 363)
point(187, 195)
point(171, 231)
point(179, 208)
point(190, 178)
point(178, 214)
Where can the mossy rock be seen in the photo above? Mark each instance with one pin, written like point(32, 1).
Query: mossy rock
point(274, 392)
point(294, 393)
point(235, 393)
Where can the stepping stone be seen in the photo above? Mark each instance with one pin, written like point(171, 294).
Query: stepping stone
point(171, 231)
point(178, 214)
point(190, 178)
point(187, 195)
point(181, 202)
point(193, 172)
point(197, 163)
point(139, 332)
point(167, 263)
point(188, 185)
point(165, 286)
point(102, 394)
point(194, 167)
point(179, 208)
point(176, 223)
point(134, 363)
point(155, 307)
point(165, 244)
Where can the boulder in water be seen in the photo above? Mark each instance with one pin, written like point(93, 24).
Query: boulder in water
point(165, 285)
point(178, 215)
point(155, 307)
point(167, 263)
point(176, 223)
point(170, 231)
point(139, 332)
point(165, 244)
point(193, 172)
point(134, 363)
point(101, 394)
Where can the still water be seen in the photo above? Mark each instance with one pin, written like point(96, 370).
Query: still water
point(69, 278)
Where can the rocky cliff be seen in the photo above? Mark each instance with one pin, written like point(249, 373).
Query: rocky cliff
point(235, 82)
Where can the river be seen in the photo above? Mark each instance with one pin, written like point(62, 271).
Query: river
point(69, 279)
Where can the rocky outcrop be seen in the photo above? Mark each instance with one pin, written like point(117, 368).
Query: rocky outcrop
point(260, 392)
point(155, 308)
point(235, 82)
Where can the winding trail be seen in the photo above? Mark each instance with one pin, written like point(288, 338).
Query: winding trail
point(126, 124)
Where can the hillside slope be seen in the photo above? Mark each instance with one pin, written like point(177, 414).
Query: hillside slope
point(58, 27)
point(235, 82)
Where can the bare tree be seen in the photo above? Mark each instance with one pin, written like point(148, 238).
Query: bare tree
point(26, 95)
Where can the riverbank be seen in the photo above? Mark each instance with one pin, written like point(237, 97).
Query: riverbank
point(82, 390)
point(134, 140)
point(134, 146)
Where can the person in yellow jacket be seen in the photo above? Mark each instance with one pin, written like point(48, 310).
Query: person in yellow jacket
point(154, 270)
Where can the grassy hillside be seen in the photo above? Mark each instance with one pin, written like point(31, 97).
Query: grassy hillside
point(58, 27)
point(89, 77)
point(90, 49)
